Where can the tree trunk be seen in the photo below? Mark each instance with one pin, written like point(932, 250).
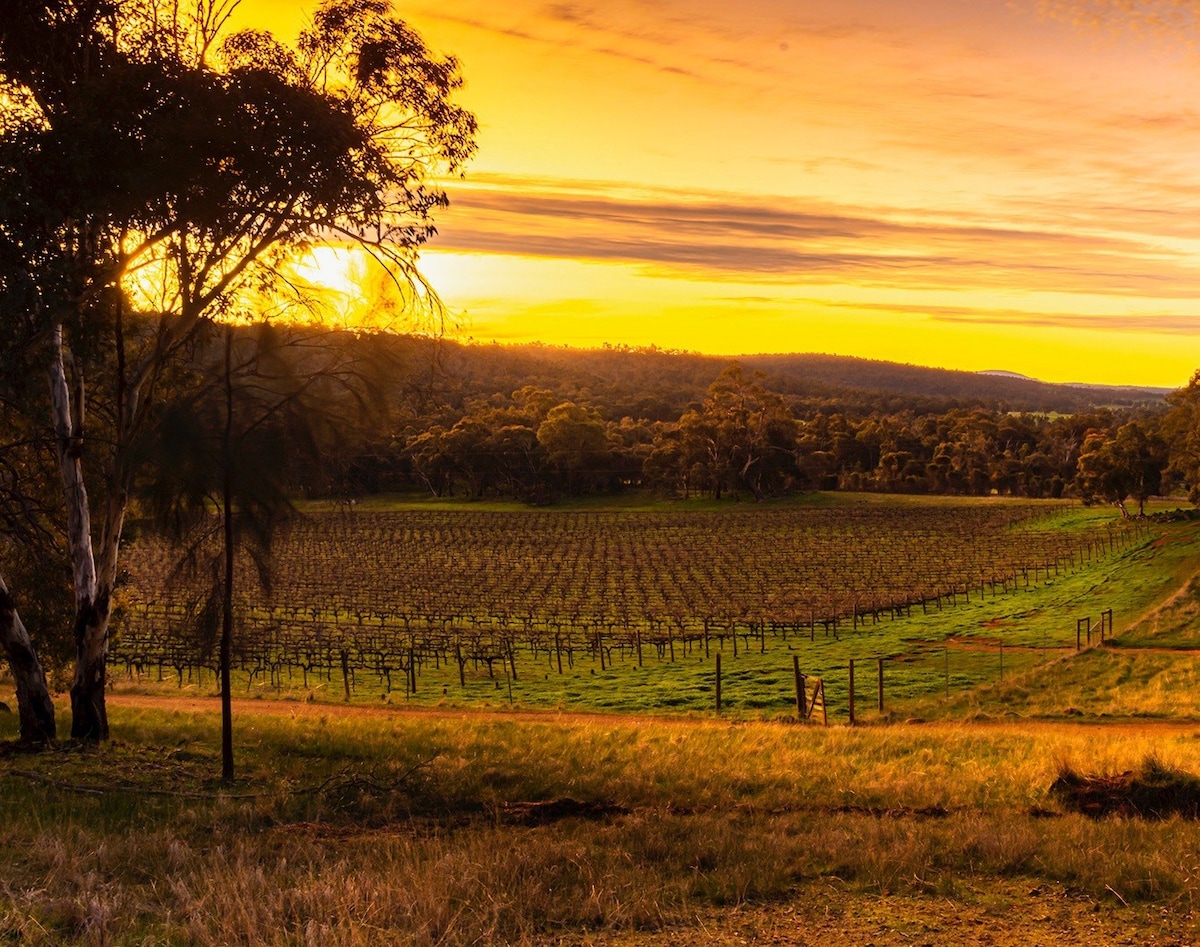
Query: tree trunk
point(89, 718)
point(34, 707)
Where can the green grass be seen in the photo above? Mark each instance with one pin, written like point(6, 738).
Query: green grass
point(930, 655)
point(628, 500)
point(1151, 669)
point(652, 502)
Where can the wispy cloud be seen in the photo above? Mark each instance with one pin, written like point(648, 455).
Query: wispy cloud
point(578, 38)
point(1025, 165)
point(1159, 323)
point(782, 241)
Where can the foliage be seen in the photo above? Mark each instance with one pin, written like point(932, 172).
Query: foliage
point(1182, 428)
point(741, 435)
point(1128, 463)
point(154, 175)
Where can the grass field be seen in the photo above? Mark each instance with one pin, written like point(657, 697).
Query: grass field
point(471, 820)
point(929, 651)
point(383, 827)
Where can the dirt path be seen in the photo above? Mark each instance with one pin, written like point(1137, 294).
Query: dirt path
point(305, 709)
point(300, 708)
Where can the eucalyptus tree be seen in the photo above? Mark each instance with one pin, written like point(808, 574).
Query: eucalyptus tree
point(260, 400)
point(575, 443)
point(746, 434)
point(157, 171)
point(1181, 428)
point(27, 511)
point(1117, 465)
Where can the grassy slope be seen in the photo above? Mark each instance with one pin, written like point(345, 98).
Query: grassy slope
point(355, 829)
point(1149, 670)
point(928, 654)
point(346, 828)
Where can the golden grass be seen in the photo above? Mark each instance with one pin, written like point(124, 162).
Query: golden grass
point(414, 838)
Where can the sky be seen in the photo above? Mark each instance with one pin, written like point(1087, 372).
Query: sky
point(970, 184)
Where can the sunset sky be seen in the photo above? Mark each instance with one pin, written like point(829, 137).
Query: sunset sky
point(975, 184)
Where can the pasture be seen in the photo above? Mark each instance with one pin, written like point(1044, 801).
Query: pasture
point(630, 610)
point(610, 803)
point(360, 826)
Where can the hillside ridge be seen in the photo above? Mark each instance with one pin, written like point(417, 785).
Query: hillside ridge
point(684, 376)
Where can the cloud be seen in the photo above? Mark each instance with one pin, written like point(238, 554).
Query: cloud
point(1158, 323)
point(723, 237)
point(669, 37)
point(577, 38)
point(1177, 20)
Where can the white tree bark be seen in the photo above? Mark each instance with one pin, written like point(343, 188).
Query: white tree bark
point(67, 418)
point(93, 591)
point(34, 707)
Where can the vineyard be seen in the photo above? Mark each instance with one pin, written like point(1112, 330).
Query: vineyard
point(550, 603)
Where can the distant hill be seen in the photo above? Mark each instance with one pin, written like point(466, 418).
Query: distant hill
point(659, 384)
point(1017, 392)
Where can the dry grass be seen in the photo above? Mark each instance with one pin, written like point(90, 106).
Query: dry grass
point(415, 838)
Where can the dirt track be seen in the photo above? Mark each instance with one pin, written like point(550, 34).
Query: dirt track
point(298, 708)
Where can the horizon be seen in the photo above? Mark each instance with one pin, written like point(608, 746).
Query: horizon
point(668, 351)
point(949, 184)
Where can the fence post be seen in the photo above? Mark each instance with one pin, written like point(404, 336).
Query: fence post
point(1001, 660)
point(881, 685)
point(852, 690)
point(346, 672)
point(718, 682)
point(801, 696)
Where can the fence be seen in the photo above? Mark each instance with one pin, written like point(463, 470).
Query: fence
point(565, 668)
point(1084, 627)
point(879, 682)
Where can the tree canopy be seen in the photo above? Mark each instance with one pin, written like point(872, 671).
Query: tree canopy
point(153, 171)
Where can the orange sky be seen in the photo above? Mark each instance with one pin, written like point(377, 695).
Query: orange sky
point(976, 184)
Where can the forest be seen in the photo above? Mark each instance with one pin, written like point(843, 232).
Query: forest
point(538, 423)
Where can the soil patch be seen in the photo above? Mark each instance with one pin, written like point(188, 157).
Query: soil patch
point(555, 810)
point(1154, 791)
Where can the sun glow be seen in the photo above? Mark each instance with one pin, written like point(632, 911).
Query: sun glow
point(963, 185)
point(326, 285)
point(334, 285)
point(346, 287)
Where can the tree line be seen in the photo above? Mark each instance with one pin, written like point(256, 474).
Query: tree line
point(741, 439)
